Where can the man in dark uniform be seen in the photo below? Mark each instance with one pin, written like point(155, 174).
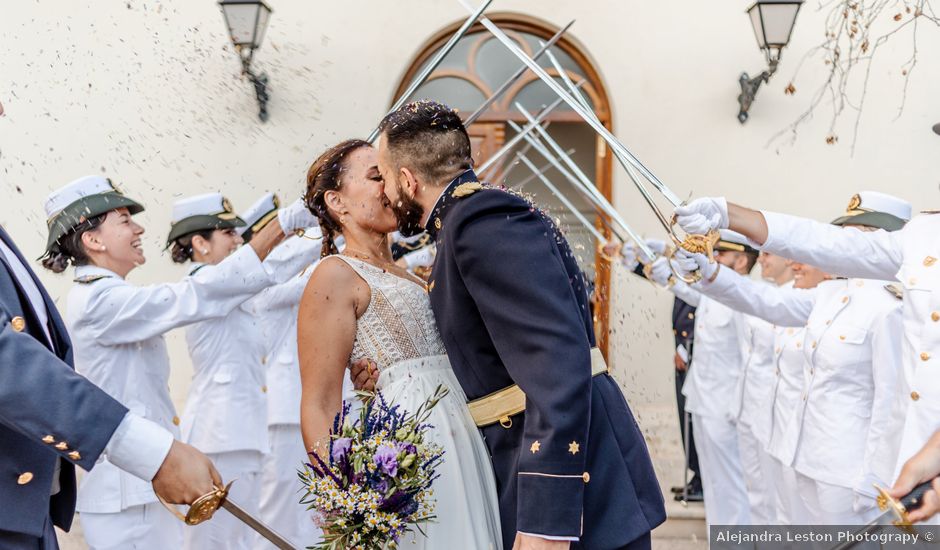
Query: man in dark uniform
point(683, 327)
point(571, 465)
point(52, 418)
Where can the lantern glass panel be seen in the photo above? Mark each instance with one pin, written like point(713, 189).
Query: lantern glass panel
point(778, 23)
point(241, 20)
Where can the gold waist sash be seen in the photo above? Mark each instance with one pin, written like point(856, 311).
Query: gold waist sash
point(500, 405)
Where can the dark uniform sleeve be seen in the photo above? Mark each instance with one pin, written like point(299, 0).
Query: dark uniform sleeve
point(511, 265)
point(45, 400)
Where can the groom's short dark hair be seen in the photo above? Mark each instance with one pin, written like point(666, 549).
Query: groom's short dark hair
point(429, 138)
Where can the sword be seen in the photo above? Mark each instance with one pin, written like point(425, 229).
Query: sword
point(505, 86)
point(438, 57)
point(204, 507)
point(583, 183)
point(564, 200)
point(693, 243)
point(894, 513)
point(518, 137)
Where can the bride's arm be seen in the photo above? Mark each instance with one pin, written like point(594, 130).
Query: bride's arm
point(326, 330)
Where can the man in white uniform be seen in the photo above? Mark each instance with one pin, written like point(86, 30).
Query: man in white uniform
point(712, 390)
point(909, 256)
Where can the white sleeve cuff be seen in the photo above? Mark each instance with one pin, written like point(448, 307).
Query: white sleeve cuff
point(550, 537)
point(139, 446)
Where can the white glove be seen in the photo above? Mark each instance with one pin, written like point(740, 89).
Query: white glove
point(687, 262)
point(702, 215)
point(296, 216)
point(628, 256)
point(656, 245)
point(660, 272)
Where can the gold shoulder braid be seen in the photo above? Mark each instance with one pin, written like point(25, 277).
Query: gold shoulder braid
point(895, 291)
point(466, 189)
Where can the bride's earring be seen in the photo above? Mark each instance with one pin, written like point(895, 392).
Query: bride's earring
point(204, 251)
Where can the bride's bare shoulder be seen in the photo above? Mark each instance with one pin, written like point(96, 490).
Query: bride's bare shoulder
point(334, 279)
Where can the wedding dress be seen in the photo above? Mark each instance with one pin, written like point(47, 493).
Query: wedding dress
point(399, 333)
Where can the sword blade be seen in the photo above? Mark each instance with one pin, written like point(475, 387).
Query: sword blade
point(564, 200)
point(438, 57)
point(505, 86)
point(257, 526)
point(576, 107)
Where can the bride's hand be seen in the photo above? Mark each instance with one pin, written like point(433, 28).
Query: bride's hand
point(364, 374)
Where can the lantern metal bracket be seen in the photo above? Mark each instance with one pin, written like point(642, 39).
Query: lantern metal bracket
point(260, 83)
point(749, 87)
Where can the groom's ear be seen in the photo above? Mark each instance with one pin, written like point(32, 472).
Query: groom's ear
point(410, 181)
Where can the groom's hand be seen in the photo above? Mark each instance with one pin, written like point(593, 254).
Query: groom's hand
point(364, 373)
point(529, 542)
point(185, 475)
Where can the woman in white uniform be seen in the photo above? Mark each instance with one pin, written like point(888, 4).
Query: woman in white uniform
point(841, 440)
point(117, 330)
point(226, 410)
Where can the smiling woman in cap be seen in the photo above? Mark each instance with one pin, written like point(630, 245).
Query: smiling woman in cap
point(230, 353)
point(844, 432)
point(117, 330)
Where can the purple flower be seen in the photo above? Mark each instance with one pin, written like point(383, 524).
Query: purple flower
point(386, 458)
point(407, 448)
point(341, 449)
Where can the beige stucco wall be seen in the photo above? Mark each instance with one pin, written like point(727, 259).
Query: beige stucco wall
point(149, 94)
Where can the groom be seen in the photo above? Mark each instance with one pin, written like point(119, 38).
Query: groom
point(571, 465)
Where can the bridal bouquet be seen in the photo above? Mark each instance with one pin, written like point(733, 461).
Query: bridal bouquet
point(375, 484)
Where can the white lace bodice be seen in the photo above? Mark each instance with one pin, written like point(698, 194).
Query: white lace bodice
point(398, 325)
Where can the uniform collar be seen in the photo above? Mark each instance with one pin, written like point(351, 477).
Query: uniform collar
point(439, 212)
point(93, 272)
point(196, 266)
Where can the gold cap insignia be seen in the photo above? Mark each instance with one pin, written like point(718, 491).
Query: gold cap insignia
point(854, 203)
point(466, 189)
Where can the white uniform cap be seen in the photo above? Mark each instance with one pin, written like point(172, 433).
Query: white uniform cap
point(82, 187)
point(874, 201)
point(208, 204)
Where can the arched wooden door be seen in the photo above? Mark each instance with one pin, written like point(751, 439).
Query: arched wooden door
point(473, 70)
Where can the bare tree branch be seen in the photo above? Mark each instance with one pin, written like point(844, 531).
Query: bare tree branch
point(855, 31)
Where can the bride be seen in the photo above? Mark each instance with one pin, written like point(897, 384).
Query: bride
point(360, 305)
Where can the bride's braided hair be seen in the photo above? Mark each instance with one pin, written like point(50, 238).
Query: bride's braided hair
point(325, 174)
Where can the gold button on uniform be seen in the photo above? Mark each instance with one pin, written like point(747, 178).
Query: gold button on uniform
point(18, 323)
point(814, 344)
point(62, 446)
point(264, 360)
point(24, 478)
point(845, 299)
point(49, 440)
point(586, 477)
point(264, 389)
point(915, 396)
point(929, 261)
point(935, 316)
point(176, 421)
point(925, 356)
point(74, 455)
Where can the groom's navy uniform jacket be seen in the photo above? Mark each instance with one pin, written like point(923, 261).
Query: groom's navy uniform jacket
point(47, 412)
point(511, 306)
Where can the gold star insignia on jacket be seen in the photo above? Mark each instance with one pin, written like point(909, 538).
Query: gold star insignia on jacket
point(574, 447)
point(466, 189)
point(535, 447)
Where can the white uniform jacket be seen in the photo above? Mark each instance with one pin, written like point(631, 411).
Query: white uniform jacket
point(843, 430)
point(227, 406)
point(909, 256)
point(711, 387)
point(117, 332)
point(757, 378)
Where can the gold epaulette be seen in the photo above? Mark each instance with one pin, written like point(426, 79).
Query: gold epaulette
point(501, 405)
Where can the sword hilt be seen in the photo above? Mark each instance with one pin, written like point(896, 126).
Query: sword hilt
point(907, 503)
point(203, 508)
